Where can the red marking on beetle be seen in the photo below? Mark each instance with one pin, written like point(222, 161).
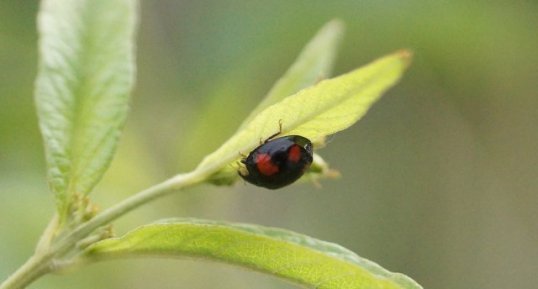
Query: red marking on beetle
point(294, 154)
point(265, 166)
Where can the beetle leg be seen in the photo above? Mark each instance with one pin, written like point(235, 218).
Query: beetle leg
point(273, 136)
point(242, 171)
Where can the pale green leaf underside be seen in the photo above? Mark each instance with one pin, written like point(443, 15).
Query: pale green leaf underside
point(282, 253)
point(315, 112)
point(86, 73)
point(314, 63)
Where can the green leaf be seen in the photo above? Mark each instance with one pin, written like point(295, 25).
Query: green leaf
point(315, 112)
point(315, 62)
point(282, 253)
point(86, 73)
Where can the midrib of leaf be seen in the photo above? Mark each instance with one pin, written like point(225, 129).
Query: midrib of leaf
point(80, 114)
point(89, 68)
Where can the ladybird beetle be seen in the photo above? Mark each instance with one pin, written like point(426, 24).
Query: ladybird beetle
point(278, 162)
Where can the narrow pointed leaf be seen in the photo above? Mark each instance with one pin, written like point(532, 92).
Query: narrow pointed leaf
point(282, 253)
point(315, 112)
point(313, 64)
point(86, 73)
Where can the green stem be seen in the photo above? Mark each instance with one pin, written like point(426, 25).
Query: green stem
point(35, 267)
point(39, 264)
point(107, 216)
point(48, 235)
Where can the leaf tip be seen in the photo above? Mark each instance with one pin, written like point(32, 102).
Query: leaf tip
point(406, 56)
point(336, 24)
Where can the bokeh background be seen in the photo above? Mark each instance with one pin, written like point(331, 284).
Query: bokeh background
point(440, 179)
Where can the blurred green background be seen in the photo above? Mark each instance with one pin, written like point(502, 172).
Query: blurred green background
point(440, 179)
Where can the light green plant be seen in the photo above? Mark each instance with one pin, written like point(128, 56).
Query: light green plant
point(86, 73)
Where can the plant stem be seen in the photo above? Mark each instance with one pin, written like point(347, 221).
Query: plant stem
point(39, 263)
point(47, 236)
point(34, 268)
point(132, 202)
